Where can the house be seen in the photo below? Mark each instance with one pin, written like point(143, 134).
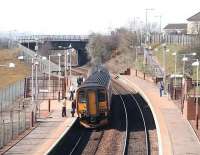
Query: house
point(194, 24)
point(175, 28)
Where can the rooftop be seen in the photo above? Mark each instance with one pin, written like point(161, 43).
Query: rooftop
point(195, 17)
point(176, 26)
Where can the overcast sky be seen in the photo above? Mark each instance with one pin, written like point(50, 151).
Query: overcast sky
point(85, 16)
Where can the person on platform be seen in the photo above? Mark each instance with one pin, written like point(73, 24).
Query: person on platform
point(71, 91)
point(79, 81)
point(161, 89)
point(64, 103)
point(73, 107)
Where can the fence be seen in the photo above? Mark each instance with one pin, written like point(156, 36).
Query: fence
point(15, 111)
point(11, 93)
point(47, 89)
point(14, 121)
point(184, 40)
point(13, 114)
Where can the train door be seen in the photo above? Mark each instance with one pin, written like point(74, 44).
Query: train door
point(92, 102)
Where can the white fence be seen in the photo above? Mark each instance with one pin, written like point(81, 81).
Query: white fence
point(185, 40)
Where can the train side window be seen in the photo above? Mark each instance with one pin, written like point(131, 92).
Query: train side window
point(82, 97)
point(101, 95)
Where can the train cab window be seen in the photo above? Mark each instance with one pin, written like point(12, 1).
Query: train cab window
point(101, 95)
point(82, 97)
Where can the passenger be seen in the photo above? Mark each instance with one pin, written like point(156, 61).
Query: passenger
point(64, 102)
point(73, 107)
point(79, 81)
point(161, 89)
point(71, 91)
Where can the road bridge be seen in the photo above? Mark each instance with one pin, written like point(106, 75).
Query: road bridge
point(42, 38)
point(48, 42)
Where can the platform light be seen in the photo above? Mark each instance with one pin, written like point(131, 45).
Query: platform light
point(44, 58)
point(185, 59)
point(11, 65)
point(20, 57)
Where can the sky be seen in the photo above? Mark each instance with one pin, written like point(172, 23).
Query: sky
point(86, 16)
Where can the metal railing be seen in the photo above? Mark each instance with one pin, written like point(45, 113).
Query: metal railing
point(33, 38)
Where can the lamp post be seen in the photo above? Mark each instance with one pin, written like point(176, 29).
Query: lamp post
point(147, 30)
point(184, 59)
point(197, 104)
point(164, 65)
point(59, 70)
point(70, 62)
point(136, 53)
point(34, 92)
point(175, 55)
point(160, 20)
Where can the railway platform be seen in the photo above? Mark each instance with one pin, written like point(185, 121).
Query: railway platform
point(50, 128)
point(175, 135)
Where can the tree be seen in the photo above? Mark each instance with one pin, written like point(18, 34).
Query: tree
point(101, 48)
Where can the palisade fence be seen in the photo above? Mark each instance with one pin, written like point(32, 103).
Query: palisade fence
point(179, 39)
point(15, 110)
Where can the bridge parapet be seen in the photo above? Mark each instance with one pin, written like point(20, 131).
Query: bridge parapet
point(35, 38)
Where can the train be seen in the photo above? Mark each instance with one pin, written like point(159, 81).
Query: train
point(93, 98)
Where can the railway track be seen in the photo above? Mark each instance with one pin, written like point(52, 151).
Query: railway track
point(137, 136)
point(110, 139)
point(142, 135)
point(92, 142)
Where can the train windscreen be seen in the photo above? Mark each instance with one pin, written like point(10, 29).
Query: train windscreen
point(82, 97)
point(101, 95)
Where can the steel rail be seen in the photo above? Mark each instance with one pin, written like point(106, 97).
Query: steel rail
point(144, 122)
point(77, 143)
point(126, 133)
point(99, 142)
point(145, 126)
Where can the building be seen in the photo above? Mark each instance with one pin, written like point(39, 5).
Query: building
point(176, 28)
point(194, 24)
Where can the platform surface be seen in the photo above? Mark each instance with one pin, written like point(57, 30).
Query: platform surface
point(50, 127)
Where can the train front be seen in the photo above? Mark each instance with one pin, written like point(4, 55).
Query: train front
point(92, 106)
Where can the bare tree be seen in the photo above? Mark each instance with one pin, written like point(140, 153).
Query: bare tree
point(102, 47)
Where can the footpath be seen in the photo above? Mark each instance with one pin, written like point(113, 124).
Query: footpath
point(175, 135)
point(51, 126)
